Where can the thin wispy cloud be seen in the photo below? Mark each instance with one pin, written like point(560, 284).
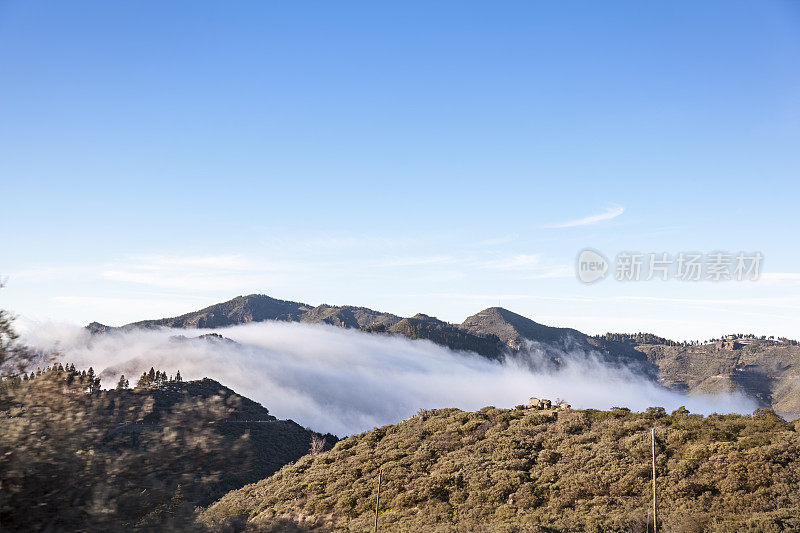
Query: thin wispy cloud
point(608, 214)
point(552, 272)
point(137, 307)
point(217, 262)
point(780, 276)
point(38, 274)
point(529, 266)
point(496, 241)
point(465, 296)
point(335, 242)
point(514, 262)
point(722, 303)
point(417, 261)
point(201, 273)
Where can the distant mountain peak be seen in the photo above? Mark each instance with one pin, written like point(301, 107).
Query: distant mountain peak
point(513, 329)
point(493, 332)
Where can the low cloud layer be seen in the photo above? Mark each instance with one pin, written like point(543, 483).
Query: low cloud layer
point(345, 381)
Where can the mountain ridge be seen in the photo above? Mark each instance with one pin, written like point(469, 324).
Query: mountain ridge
point(766, 371)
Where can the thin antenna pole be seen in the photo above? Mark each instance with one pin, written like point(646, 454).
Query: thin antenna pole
point(655, 505)
point(378, 498)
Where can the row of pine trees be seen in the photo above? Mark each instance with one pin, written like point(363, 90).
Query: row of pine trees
point(153, 378)
point(87, 380)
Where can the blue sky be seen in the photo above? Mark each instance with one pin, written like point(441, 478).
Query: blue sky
point(409, 156)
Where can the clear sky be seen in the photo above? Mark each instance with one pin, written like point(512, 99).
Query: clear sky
point(437, 157)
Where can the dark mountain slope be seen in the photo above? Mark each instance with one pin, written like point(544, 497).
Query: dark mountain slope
point(102, 458)
point(349, 317)
point(270, 443)
point(240, 310)
point(515, 330)
point(260, 308)
point(537, 471)
point(426, 327)
point(538, 343)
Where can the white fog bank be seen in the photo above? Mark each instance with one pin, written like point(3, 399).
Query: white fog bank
point(345, 381)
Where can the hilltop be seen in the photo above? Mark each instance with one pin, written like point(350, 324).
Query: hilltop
point(515, 330)
point(261, 308)
point(240, 310)
point(537, 343)
point(534, 470)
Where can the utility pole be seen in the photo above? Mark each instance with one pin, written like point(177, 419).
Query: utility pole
point(378, 498)
point(655, 505)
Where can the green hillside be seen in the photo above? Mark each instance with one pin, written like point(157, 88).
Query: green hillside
point(529, 470)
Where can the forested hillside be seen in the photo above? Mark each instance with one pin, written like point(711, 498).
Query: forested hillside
point(533, 470)
point(75, 457)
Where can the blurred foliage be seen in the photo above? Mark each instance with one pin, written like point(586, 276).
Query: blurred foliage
point(77, 458)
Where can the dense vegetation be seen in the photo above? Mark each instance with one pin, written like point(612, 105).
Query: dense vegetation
point(635, 339)
point(528, 470)
point(153, 378)
point(75, 457)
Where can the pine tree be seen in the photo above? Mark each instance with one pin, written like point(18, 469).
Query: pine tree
point(151, 376)
point(122, 383)
point(178, 376)
point(177, 504)
point(89, 382)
